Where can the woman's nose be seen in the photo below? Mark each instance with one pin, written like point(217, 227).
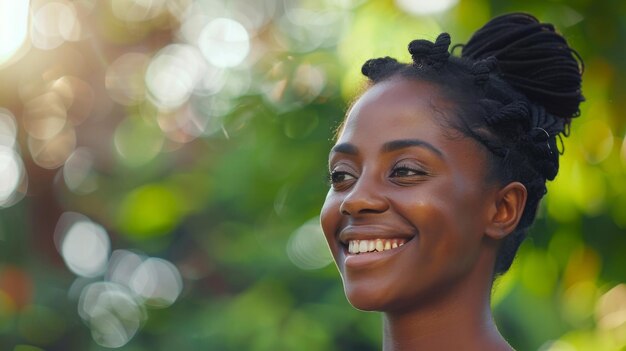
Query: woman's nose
point(364, 197)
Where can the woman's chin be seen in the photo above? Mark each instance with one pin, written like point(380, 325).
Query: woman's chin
point(365, 300)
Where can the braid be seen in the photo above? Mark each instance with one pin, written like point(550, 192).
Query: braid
point(516, 110)
point(534, 59)
point(482, 68)
point(426, 53)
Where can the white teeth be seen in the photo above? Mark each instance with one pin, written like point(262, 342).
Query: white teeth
point(363, 246)
point(379, 245)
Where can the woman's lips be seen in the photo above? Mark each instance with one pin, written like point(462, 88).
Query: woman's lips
point(373, 238)
point(367, 245)
point(369, 258)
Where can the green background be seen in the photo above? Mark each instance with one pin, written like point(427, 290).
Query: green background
point(234, 206)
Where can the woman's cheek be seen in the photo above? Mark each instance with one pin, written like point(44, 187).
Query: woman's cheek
point(330, 217)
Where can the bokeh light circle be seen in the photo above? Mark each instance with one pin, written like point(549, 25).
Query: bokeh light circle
point(8, 128)
point(157, 281)
point(122, 265)
point(83, 244)
point(52, 153)
point(224, 42)
point(309, 82)
point(45, 115)
point(307, 246)
point(11, 175)
point(425, 7)
point(137, 141)
point(195, 18)
point(53, 22)
point(310, 26)
point(173, 74)
point(78, 172)
point(112, 313)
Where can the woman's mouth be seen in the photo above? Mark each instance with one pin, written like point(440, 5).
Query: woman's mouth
point(366, 245)
point(374, 245)
point(363, 253)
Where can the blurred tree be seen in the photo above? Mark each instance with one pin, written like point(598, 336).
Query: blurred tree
point(163, 166)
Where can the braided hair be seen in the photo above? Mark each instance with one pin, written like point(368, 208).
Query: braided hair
point(516, 87)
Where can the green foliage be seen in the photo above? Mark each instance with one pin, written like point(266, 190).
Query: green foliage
point(220, 183)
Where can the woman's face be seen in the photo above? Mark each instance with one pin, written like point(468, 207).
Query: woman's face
point(407, 209)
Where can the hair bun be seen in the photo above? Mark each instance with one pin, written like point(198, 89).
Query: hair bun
point(378, 68)
point(426, 53)
point(533, 58)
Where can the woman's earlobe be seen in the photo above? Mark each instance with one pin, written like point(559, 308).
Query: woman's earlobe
point(509, 207)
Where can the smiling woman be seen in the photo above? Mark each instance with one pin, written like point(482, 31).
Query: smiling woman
point(437, 173)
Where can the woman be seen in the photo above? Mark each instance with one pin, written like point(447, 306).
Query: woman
point(437, 173)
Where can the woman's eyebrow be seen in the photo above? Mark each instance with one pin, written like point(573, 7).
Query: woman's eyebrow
point(395, 145)
point(345, 148)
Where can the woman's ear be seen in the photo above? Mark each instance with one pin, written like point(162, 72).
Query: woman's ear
point(507, 210)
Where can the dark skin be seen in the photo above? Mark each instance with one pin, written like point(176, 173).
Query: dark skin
point(399, 173)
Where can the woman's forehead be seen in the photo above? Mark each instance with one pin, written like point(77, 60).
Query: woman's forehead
point(398, 90)
point(399, 106)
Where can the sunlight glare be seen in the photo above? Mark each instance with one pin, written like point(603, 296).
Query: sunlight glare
point(425, 7)
point(224, 42)
point(13, 27)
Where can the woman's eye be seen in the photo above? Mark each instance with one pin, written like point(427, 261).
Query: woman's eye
point(338, 177)
point(406, 172)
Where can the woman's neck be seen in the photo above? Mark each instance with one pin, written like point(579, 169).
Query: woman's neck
point(443, 330)
point(458, 318)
